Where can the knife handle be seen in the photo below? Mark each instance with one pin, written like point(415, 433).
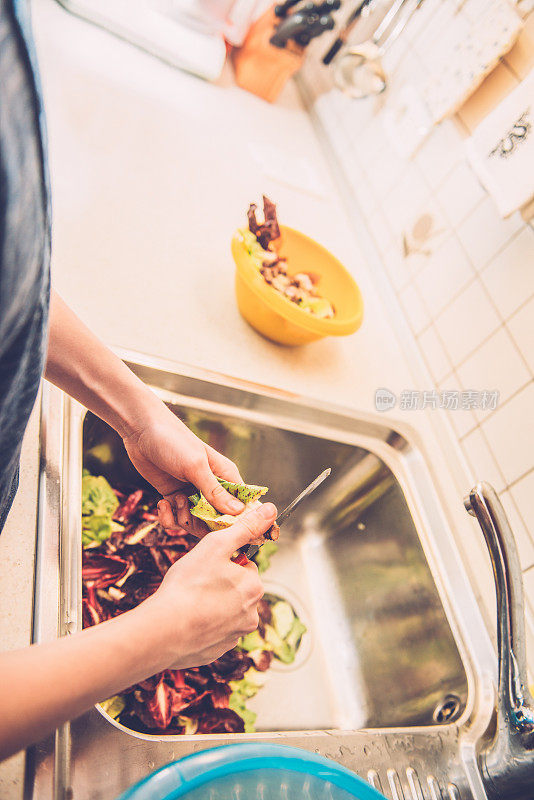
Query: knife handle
point(282, 9)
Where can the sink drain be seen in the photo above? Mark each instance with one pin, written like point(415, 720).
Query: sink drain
point(280, 592)
point(448, 710)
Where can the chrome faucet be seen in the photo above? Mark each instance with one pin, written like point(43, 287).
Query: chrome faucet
point(507, 764)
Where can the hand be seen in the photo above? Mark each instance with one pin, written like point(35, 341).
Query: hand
point(206, 602)
point(170, 456)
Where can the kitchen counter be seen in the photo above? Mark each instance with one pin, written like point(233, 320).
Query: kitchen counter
point(152, 169)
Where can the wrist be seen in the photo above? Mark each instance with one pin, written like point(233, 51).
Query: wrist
point(163, 625)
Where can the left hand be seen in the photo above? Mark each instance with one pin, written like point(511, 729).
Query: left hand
point(170, 457)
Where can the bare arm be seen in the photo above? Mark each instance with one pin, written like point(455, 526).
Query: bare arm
point(160, 446)
point(203, 606)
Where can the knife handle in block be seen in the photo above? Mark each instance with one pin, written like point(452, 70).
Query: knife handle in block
point(262, 68)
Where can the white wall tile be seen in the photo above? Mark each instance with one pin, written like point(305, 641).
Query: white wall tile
point(403, 200)
point(496, 364)
point(509, 278)
point(483, 464)
point(523, 540)
point(379, 229)
point(484, 232)
point(521, 326)
point(434, 354)
point(446, 274)
point(510, 434)
point(462, 420)
point(466, 322)
point(459, 193)
point(414, 310)
point(396, 266)
point(523, 494)
point(440, 153)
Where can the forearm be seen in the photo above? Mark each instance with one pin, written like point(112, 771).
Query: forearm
point(80, 364)
point(45, 685)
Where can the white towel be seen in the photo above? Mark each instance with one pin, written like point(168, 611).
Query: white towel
point(501, 150)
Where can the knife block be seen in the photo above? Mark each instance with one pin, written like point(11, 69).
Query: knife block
point(262, 68)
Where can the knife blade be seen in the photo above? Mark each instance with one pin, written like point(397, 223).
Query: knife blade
point(252, 549)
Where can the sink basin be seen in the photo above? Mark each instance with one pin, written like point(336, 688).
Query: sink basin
point(385, 680)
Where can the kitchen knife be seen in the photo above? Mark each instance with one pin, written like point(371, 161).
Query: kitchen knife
point(324, 23)
point(252, 549)
point(325, 7)
point(290, 27)
point(283, 8)
point(345, 31)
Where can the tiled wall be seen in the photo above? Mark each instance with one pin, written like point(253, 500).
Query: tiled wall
point(463, 276)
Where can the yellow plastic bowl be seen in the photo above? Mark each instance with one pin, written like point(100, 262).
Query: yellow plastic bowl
point(274, 315)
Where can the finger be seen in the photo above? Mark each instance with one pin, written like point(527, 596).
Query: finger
point(247, 528)
point(182, 516)
point(222, 466)
point(252, 567)
point(214, 493)
point(165, 514)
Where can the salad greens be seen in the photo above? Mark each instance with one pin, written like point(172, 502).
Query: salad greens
point(119, 571)
point(99, 503)
point(280, 636)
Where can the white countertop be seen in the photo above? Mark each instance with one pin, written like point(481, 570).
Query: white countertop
point(152, 170)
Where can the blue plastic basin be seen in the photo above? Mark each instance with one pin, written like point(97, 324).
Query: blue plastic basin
point(252, 772)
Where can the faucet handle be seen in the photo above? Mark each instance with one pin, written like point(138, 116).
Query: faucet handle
point(514, 700)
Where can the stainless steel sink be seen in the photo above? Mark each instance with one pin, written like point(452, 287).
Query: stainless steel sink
point(386, 680)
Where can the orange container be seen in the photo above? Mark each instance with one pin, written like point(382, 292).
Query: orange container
point(260, 67)
point(275, 316)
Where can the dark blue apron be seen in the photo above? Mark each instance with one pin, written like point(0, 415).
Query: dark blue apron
point(24, 240)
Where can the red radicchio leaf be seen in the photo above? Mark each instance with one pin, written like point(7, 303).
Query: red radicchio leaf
point(221, 720)
point(100, 571)
point(231, 666)
point(172, 554)
point(127, 509)
point(90, 614)
point(196, 677)
point(220, 695)
point(269, 231)
point(92, 609)
point(150, 684)
point(262, 660)
point(182, 698)
point(159, 706)
point(264, 611)
point(159, 560)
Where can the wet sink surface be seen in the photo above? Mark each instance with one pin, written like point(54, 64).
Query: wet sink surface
point(384, 679)
point(379, 651)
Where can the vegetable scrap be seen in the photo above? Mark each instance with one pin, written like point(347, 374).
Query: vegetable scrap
point(299, 288)
point(124, 560)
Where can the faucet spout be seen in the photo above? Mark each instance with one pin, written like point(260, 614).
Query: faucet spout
point(508, 763)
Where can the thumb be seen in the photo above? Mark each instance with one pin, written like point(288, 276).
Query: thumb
point(223, 501)
point(247, 529)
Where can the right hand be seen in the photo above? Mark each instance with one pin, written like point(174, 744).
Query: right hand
point(206, 602)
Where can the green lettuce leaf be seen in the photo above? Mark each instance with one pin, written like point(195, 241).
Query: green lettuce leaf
point(99, 502)
point(203, 510)
point(282, 618)
point(298, 629)
point(98, 498)
point(242, 691)
point(264, 554)
point(113, 705)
